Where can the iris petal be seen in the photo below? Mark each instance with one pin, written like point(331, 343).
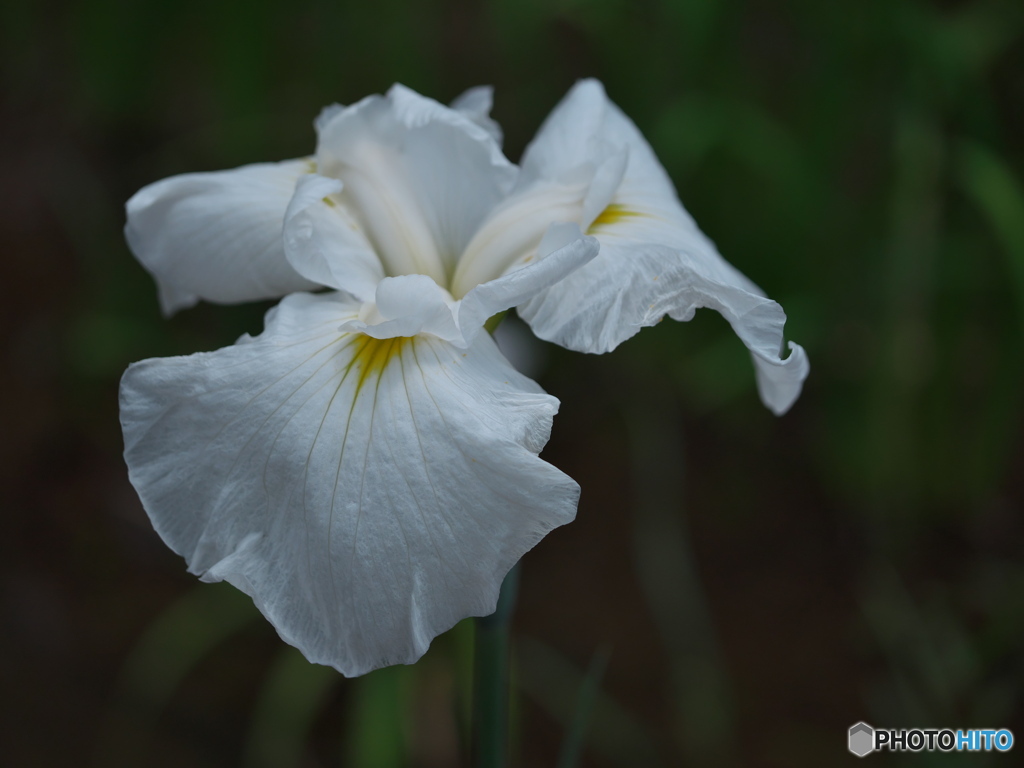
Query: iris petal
point(653, 261)
point(367, 493)
point(411, 304)
point(476, 103)
point(217, 236)
point(324, 242)
point(421, 176)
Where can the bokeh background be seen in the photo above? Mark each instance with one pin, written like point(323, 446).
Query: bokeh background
point(738, 589)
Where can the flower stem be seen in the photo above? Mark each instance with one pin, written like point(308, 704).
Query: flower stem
point(490, 680)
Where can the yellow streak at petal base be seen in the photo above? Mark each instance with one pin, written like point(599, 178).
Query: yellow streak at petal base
point(373, 355)
point(613, 214)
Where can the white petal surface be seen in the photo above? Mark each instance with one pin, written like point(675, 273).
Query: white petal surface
point(654, 261)
point(420, 175)
point(513, 230)
point(411, 304)
point(476, 104)
point(324, 242)
point(562, 251)
point(217, 236)
point(368, 494)
point(405, 306)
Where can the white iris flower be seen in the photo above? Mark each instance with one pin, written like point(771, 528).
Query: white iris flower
point(367, 468)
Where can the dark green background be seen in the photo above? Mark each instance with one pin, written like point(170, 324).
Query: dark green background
point(760, 584)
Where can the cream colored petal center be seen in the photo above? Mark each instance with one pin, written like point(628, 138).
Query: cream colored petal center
point(377, 190)
point(513, 231)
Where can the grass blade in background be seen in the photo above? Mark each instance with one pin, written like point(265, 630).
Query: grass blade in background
point(290, 699)
point(990, 183)
point(554, 683)
point(174, 644)
point(378, 736)
point(704, 721)
point(572, 747)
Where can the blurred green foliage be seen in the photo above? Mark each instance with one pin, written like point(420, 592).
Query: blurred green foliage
point(861, 160)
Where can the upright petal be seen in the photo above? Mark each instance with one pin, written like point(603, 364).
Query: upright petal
point(421, 177)
point(217, 236)
point(476, 104)
point(368, 494)
point(654, 261)
point(510, 235)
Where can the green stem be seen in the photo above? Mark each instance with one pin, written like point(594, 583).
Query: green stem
point(490, 680)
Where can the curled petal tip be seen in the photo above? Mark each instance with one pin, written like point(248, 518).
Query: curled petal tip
point(780, 382)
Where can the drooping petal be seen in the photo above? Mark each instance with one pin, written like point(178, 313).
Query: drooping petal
point(421, 177)
point(368, 494)
point(411, 304)
point(654, 261)
point(324, 242)
point(217, 236)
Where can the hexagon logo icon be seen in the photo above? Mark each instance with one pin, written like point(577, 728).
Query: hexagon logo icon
point(862, 739)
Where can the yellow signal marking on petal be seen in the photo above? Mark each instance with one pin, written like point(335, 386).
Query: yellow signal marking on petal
point(613, 214)
point(372, 356)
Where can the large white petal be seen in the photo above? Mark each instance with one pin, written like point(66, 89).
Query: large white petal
point(217, 236)
point(368, 494)
point(654, 261)
point(421, 176)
